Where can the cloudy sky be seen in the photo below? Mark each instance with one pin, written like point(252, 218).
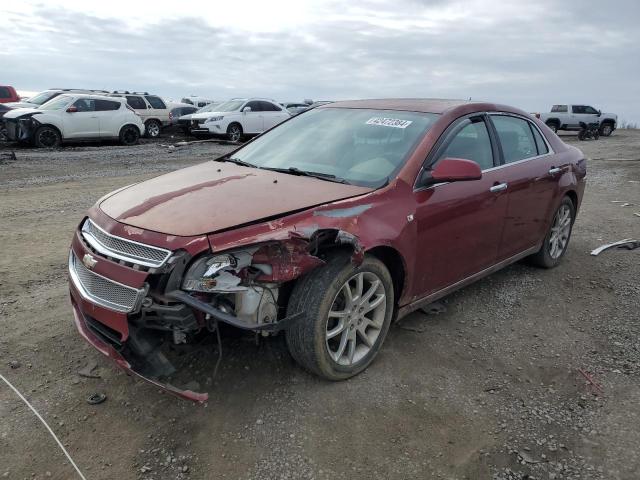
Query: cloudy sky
point(530, 54)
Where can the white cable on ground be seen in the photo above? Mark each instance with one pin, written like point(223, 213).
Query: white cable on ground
point(45, 424)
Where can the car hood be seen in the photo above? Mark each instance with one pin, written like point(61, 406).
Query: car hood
point(22, 105)
point(216, 196)
point(19, 112)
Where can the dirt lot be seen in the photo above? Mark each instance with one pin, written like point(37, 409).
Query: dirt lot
point(491, 388)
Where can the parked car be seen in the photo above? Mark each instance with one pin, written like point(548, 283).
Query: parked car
point(152, 109)
point(47, 95)
point(326, 228)
point(74, 117)
point(197, 101)
point(186, 122)
point(3, 129)
point(239, 117)
point(8, 94)
point(568, 117)
point(294, 108)
point(176, 112)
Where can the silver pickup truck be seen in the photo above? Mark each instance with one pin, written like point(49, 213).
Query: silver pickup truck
point(568, 117)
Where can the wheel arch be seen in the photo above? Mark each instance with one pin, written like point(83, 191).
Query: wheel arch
point(555, 121)
point(55, 127)
point(573, 196)
point(393, 260)
point(129, 124)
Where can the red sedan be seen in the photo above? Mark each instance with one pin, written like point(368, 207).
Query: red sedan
point(325, 229)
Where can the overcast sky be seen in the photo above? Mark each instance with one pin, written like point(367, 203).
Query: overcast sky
point(529, 54)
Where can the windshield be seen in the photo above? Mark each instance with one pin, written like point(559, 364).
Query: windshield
point(363, 147)
point(230, 106)
point(212, 107)
point(42, 97)
point(57, 103)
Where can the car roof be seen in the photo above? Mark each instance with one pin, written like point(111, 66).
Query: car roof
point(426, 105)
point(95, 97)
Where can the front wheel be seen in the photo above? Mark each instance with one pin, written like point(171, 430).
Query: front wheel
point(606, 129)
point(153, 128)
point(234, 132)
point(346, 315)
point(553, 126)
point(556, 241)
point(47, 137)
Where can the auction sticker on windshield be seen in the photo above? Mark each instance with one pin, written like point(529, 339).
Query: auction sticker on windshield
point(389, 122)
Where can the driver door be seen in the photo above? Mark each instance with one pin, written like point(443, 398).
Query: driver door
point(459, 224)
point(83, 122)
point(252, 122)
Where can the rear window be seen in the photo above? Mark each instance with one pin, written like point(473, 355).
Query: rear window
point(515, 137)
point(5, 93)
point(559, 109)
point(155, 102)
point(105, 105)
point(540, 143)
point(136, 102)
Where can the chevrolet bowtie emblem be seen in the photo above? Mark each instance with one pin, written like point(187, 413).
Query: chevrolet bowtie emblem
point(89, 261)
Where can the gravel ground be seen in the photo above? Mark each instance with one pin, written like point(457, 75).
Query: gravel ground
point(528, 374)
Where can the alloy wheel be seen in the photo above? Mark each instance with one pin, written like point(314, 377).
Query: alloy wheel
point(356, 318)
point(234, 133)
point(48, 138)
point(606, 130)
point(560, 232)
point(153, 129)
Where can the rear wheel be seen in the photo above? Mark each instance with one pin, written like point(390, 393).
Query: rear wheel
point(47, 137)
point(153, 128)
point(557, 239)
point(234, 132)
point(346, 315)
point(129, 135)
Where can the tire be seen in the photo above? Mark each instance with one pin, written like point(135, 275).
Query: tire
point(129, 135)
point(234, 132)
point(553, 126)
point(547, 256)
point(606, 129)
point(596, 134)
point(327, 340)
point(47, 137)
point(581, 135)
point(152, 128)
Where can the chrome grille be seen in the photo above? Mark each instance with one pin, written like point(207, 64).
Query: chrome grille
point(101, 290)
point(123, 249)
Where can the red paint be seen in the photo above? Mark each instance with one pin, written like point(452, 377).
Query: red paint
point(442, 233)
point(456, 170)
point(8, 94)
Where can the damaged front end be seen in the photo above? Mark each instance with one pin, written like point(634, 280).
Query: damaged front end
point(22, 128)
point(181, 301)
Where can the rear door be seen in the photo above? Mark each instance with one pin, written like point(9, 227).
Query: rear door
point(83, 122)
point(459, 224)
point(530, 171)
point(273, 115)
point(253, 121)
point(139, 105)
point(110, 115)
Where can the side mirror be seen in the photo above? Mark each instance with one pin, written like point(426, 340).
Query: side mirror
point(453, 170)
point(246, 109)
point(599, 112)
point(72, 109)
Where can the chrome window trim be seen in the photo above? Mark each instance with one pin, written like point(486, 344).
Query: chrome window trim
point(140, 293)
point(103, 249)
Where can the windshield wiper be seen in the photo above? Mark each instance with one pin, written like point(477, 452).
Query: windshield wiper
point(237, 161)
point(306, 173)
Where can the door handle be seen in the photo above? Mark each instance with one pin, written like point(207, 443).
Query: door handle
point(499, 187)
point(554, 170)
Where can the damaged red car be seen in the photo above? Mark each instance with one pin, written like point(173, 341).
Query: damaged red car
point(325, 229)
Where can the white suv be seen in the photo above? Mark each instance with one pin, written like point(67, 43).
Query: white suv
point(152, 109)
point(239, 117)
point(74, 117)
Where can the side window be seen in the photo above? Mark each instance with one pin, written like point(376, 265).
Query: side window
point(4, 92)
point(255, 106)
point(106, 105)
point(540, 143)
point(559, 109)
point(590, 110)
point(515, 137)
point(470, 141)
point(155, 102)
point(136, 103)
point(85, 105)
point(270, 107)
point(578, 109)
point(202, 104)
